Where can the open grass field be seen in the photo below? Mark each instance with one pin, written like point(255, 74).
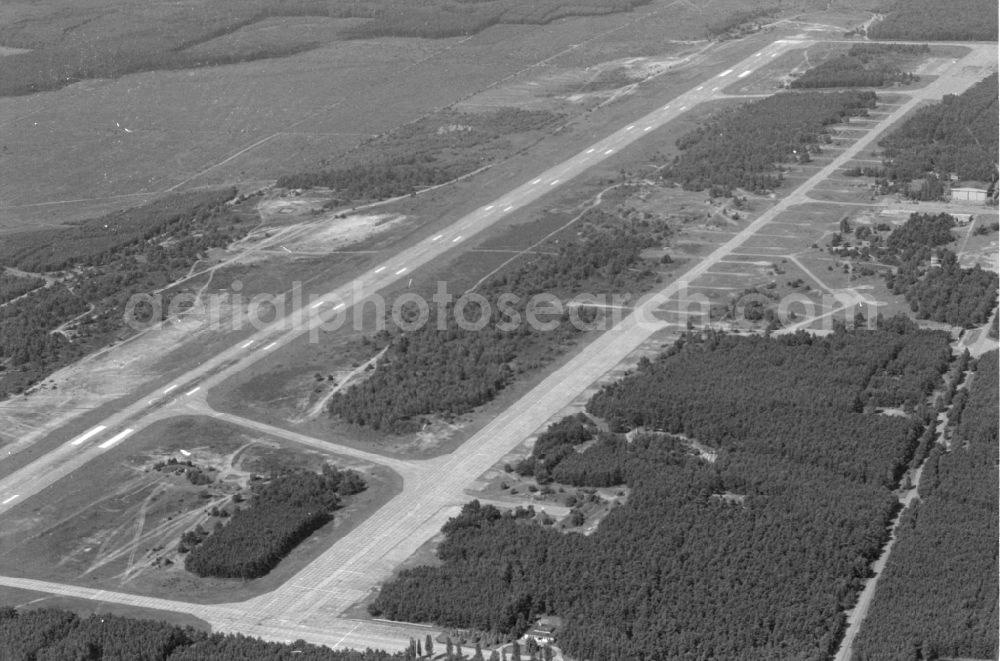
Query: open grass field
point(103, 144)
point(117, 523)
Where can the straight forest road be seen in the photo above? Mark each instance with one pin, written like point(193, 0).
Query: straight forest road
point(311, 604)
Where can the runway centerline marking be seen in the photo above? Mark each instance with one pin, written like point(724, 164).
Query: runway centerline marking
point(90, 434)
point(193, 391)
point(173, 387)
point(11, 499)
point(457, 239)
point(271, 345)
point(380, 269)
point(438, 237)
point(725, 73)
point(401, 271)
point(114, 439)
point(242, 346)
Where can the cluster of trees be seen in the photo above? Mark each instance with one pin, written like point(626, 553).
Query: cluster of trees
point(283, 511)
point(928, 20)
point(937, 596)
point(444, 369)
point(956, 136)
point(97, 266)
point(57, 635)
point(917, 237)
point(13, 285)
point(425, 153)
point(777, 533)
point(864, 65)
point(25, 325)
point(555, 444)
point(377, 181)
point(744, 147)
point(738, 21)
point(947, 292)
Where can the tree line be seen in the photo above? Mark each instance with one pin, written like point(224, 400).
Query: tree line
point(446, 372)
point(50, 634)
point(283, 511)
point(739, 21)
point(928, 20)
point(428, 152)
point(746, 147)
point(777, 533)
point(864, 65)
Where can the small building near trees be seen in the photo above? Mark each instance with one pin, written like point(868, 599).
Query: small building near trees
point(973, 192)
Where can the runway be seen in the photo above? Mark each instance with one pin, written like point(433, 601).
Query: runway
point(311, 604)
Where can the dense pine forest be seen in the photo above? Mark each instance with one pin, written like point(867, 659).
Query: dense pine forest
point(449, 371)
point(57, 635)
point(95, 267)
point(864, 65)
point(930, 20)
point(938, 595)
point(948, 293)
point(754, 555)
point(745, 147)
point(283, 511)
point(13, 285)
point(956, 136)
point(944, 292)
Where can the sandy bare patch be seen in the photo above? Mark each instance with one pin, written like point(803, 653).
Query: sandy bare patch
point(337, 231)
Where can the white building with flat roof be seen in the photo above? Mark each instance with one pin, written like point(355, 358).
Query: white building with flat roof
point(973, 194)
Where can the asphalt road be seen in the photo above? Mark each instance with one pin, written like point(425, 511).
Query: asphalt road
point(310, 604)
